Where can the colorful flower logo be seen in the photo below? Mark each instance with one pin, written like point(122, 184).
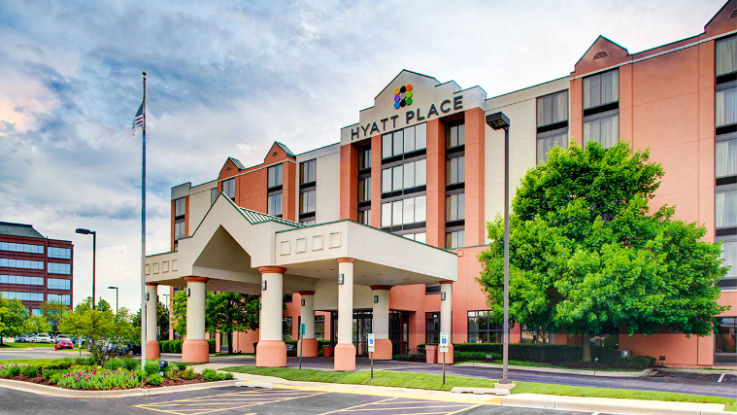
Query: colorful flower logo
point(403, 96)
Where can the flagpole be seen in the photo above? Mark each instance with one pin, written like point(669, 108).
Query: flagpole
point(143, 233)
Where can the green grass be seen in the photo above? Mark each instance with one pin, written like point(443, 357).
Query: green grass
point(548, 365)
point(434, 382)
point(25, 345)
point(30, 361)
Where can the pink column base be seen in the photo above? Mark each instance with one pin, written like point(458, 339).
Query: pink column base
point(310, 347)
point(152, 349)
point(383, 349)
point(195, 351)
point(271, 353)
point(345, 357)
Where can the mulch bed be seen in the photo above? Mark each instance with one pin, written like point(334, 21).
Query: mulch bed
point(167, 382)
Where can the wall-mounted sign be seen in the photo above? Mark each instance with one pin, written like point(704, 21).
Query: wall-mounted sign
point(403, 96)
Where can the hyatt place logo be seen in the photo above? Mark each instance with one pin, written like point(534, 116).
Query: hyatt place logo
point(403, 96)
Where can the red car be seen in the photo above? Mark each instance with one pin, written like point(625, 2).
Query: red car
point(63, 344)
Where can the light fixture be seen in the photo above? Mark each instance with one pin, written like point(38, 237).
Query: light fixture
point(442, 296)
point(263, 285)
point(497, 120)
point(376, 299)
point(188, 292)
point(341, 279)
point(303, 302)
point(148, 298)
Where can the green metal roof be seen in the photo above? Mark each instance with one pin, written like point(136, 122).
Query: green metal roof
point(286, 149)
point(237, 163)
point(19, 229)
point(254, 217)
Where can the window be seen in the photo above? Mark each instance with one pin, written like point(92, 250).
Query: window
point(275, 203)
point(726, 56)
point(455, 135)
point(481, 329)
point(455, 207)
point(455, 170)
point(275, 178)
point(286, 327)
point(21, 263)
point(364, 158)
point(726, 104)
point(23, 296)
point(725, 151)
point(455, 239)
point(725, 336)
point(364, 216)
point(403, 212)
point(400, 142)
point(21, 280)
point(26, 248)
point(65, 299)
point(180, 207)
point(179, 229)
point(307, 172)
point(535, 336)
point(58, 268)
point(61, 253)
point(729, 255)
point(726, 206)
point(59, 284)
point(432, 327)
point(601, 108)
point(307, 201)
point(404, 176)
point(213, 195)
point(229, 188)
point(418, 236)
point(364, 189)
point(552, 124)
point(320, 327)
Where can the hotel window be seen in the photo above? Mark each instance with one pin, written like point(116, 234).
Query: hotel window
point(404, 177)
point(308, 172)
point(364, 185)
point(729, 255)
point(552, 124)
point(23, 296)
point(320, 327)
point(59, 284)
point(58, 268)
point(481, 329)
point(180, 209)
point(26, 248)
point(286, 328)
point(60, 253)
point(726, 206)
point(416, 236)
point(229, 188)
point(64, 299)
point(364, 216)
point(455, 170)
point(213, 195)
point(274, 196)
point(432, 328)
point(400, 213)
point(364, 189)
point(21, 263)
point(402, 142)
point(725, 336)
point(601, 108)
point(307, 202)
point(21, 280)
point(455, 177)
point(307, 192)
point(454, 238)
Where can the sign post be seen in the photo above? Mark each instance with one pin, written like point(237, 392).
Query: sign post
point(302, 328)
point(371, 348)
point(443, 348)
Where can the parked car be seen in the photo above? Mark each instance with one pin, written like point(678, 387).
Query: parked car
point(21, 339)
point(31, 338)
point(63, 343)
point(43, 338)
point(62, 337)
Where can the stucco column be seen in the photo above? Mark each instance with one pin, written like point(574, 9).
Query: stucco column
point(345, 351)
point(380, 323)
point(152, 344)
point(446, 306)
point(195, 348)
point(308, 319)
point(271, 350)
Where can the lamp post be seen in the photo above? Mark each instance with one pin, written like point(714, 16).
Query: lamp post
point(500, 121)
point(116, 297)
point(94, 243)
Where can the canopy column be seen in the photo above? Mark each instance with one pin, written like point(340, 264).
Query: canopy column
point(152, 345)
point(195, 348)
point(380, 323)
point(307, 344)
point(271, 350)
point(345, 351)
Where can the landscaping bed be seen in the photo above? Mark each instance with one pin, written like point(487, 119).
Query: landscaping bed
point(116, 374)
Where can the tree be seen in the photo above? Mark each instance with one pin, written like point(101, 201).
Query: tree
point(53, 312)
point(226, 312)
point(36, 323)
point(13, 317)
point(586, 257)
point(162, 320)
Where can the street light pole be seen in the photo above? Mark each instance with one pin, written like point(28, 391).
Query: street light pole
point(500, 121)
point(94, 244)
point(116, 297)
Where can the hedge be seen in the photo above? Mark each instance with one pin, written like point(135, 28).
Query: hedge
point(175, 346)
point(542, 352)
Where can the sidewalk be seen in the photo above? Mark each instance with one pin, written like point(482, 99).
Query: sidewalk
point(627, 406)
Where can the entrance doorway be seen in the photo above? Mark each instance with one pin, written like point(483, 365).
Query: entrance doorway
point(362, 326)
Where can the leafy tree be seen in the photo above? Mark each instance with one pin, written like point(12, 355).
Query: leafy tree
point(53, 312)
point(162, 320)
point(36, 323)
point(13, 317)
point(98, 327)
point(586, 257)
point(103, 305)
point(226, 312)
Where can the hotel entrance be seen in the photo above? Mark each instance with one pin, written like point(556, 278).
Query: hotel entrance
point(362, 326)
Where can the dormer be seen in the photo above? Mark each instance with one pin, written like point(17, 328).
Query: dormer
point(603, 53)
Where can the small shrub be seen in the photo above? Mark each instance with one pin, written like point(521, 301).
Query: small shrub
point(54, 378)
point(189, 374)
point(172, 374)
point(210, 375)
point(10, 371)
point(180, 365)
point(59, 364)
point(460, 356)
point(131, 363)
point(636, 362)
point(31, 371)
point(114, 364)
point(47, 373)
point(154, 379)
point(152, 367)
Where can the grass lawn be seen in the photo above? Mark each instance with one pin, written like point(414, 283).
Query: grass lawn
point(538, 364)
point(434, 382)
point(25, 345)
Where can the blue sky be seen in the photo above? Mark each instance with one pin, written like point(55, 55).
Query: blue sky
point(227, 78)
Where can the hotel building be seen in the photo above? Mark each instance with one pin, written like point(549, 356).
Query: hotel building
point(34, 268)
point(381, 231)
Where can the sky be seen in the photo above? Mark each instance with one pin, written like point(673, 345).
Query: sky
point(228, 78)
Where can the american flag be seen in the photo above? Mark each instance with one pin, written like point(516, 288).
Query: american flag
point(138, 119)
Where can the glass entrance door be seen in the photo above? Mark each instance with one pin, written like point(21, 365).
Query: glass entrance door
point(361, 328)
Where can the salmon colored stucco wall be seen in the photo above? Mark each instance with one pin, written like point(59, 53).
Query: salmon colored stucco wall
point(289, 191)
point(349, 181)
point(376, 181)
point(474, 174)
point(435, 225)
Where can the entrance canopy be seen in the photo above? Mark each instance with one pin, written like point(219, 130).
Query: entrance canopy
point(231, 243)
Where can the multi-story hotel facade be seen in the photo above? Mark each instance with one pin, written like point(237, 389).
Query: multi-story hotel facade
point(381, 231)
point(33, 268)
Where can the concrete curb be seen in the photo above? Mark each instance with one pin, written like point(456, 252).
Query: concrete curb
point(78, 394)
point(626, 406)
point(601, 373)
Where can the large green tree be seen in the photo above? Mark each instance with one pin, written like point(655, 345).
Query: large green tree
point(13, 317)
point(53, 312)
point(162, 320)
point(586, 255)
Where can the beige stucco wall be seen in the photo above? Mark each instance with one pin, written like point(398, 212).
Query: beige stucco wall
point(327, 199)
